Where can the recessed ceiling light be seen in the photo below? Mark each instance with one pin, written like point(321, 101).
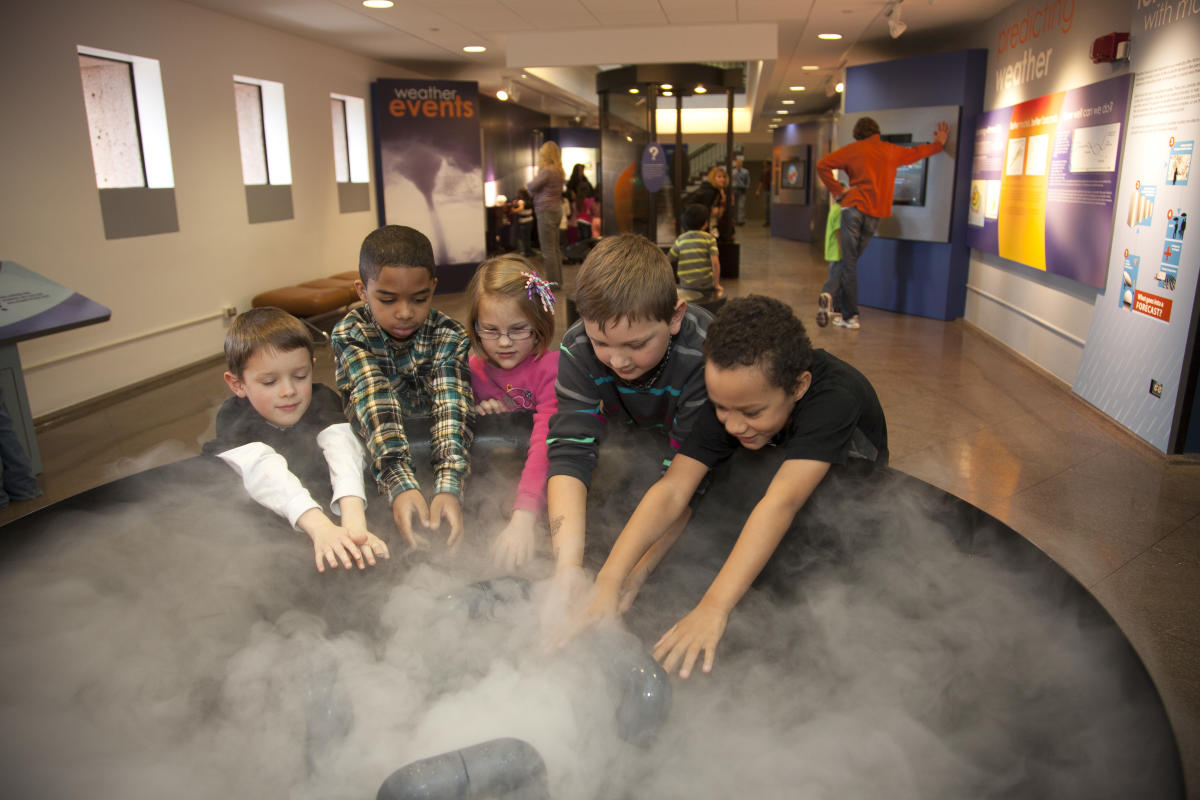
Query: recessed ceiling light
point(501, 95)
point(474, 48)
point(667, 86)
point(378, 3)
point(840, 86)
point(782, 111)
point(797, 88)
point(633, 90)
point(629, 138)
point(829, 36)
point(788, 102)
point(700, 90)
point(776, 120)
point(668, 93)
point(809, 67)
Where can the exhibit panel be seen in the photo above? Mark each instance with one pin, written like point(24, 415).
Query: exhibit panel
point(1140, 354)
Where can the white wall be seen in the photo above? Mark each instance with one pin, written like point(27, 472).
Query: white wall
point(1042, 317)
point(50, 211)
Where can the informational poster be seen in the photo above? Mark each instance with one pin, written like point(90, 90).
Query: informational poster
point(1133, 363)
point(1045, 170)
point(430, 163)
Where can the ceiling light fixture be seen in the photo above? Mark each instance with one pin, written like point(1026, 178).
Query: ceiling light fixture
point(797, 88)
point(668, 93)
point(810, 67)
point(896, 26)
point(782, 111)
point(633, 90)
point(829, 36)
point(840, 87)
point(788, 102)
point(474, 48)
point(700, 89)
point(378, 3)
point(667, 86)
point(501, 95)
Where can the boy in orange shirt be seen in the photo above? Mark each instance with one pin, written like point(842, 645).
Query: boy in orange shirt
point(871, 164)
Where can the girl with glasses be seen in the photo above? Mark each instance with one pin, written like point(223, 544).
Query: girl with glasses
point(511, 324)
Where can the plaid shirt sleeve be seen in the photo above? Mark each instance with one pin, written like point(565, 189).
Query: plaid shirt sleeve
point(371, 405)
point(453, 408)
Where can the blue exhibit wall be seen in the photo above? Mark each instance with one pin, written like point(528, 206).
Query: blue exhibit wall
point(792, 218)
point(927, 279)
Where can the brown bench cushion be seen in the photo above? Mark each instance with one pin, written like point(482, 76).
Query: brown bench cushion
point(306, 301)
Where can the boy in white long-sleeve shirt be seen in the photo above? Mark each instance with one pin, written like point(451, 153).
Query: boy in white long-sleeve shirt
point(286, 436)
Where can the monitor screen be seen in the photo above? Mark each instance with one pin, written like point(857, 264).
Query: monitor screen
point(792, 173)
point(910, 183)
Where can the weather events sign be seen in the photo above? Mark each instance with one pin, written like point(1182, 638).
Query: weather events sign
point(1044, 170)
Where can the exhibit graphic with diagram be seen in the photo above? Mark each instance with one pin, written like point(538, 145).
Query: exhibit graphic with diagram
point(1044, 170)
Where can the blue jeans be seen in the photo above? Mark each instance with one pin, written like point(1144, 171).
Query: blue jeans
point(857, 231)
point(525, 238)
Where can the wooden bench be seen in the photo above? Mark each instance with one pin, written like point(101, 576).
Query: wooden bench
point(323, 300)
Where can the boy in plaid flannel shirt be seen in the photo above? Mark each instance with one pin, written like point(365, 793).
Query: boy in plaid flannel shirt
point(396, 357)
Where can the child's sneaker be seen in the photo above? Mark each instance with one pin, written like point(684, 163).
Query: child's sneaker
point(851, 323)
point(824, 302)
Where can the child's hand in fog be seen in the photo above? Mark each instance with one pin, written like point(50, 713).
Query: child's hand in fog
point(514, 544)
point(446, 507)
point(407, 505)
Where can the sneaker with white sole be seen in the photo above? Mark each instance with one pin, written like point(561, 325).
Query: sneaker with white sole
point(851, 323)
point(824, 303)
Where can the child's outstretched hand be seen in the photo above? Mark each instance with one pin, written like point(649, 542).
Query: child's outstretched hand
point(514, 544)
point(404, 507)
point(492, 406)
point(332, 544)
point(368, 543)
point(445, 506)
point(602, 606)
point(698, 632)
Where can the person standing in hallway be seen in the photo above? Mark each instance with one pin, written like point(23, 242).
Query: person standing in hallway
point(871, 164)
point(547, 190)
point(740, 181)
point(764, 185)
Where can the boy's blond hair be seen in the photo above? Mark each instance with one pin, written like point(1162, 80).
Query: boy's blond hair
point(263, 328)
point(508, 276)
point(625, 277)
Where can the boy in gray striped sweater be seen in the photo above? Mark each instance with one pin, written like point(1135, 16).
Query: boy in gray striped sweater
point(635, 356)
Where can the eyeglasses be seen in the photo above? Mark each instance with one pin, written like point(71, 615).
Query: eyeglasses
point(514, 335)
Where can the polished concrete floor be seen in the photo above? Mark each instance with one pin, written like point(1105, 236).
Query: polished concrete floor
point(963, 414)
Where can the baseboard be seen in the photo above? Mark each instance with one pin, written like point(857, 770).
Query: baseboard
point(46, 422)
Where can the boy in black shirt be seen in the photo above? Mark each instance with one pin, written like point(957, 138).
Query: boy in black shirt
point(287, 437)
point(766, 386)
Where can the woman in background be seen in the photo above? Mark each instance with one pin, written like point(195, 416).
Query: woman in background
point(547, 190)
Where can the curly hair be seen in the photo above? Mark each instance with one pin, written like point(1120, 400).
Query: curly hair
point(865, 128)
point(760, 331)
point(394, 246)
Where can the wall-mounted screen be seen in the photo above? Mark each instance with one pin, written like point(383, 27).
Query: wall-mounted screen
point(793, 173)
point(910, 183)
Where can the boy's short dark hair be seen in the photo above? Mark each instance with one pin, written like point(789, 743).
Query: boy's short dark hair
point(263, 328)
point(695, 216)
point(865, 128)
point(760, 331)
point(628, 277)
point(394, 246)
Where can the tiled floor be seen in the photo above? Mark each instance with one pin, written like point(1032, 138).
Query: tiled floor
point(963, 414)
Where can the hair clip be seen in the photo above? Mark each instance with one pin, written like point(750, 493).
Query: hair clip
point(535, 284)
